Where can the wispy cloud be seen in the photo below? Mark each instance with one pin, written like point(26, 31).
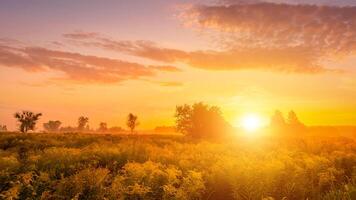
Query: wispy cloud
point(171, 84)
point(166, 68)
point(166, 83)
point(296, 59)
point(76, 67)
point(141, 48)
point(80, 35)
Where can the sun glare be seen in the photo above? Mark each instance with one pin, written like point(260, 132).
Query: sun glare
point(251, 122)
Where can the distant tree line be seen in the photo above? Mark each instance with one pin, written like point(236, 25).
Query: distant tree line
point(292, 123)
point(203, 121)
point(27, 121)
point(198, 120)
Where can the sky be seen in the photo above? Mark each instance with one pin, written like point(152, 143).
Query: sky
point(105, 59)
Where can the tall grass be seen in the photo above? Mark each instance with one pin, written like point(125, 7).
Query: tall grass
point(82, 166)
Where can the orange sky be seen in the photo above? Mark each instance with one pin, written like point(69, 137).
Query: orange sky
point(104, 60)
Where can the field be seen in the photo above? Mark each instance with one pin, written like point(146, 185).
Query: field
point(93, 166)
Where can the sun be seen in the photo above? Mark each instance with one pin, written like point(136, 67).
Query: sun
point(251, 122)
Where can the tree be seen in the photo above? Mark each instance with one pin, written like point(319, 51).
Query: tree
point(278, 122)
point(201, 121)
point(293, 121)
point(3, 128)
point(132, 122)
point(292, 118)
point(115, 129)
point(68, 129)
point(27, 120)
point(52, 126)
point(183, 115)
point(103, 127)
point(82, 123)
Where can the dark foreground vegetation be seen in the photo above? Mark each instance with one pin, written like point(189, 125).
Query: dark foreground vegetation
point(85, 166)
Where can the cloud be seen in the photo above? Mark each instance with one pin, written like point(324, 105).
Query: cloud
point(326, 29)
point(313, 2)
point(171, 84)
point(262, 35)
point(165, 83)
point(166, 68)
point(296, 59)
point(141, 48)
point(11, 57)
point(80, 35)
point(74, 66)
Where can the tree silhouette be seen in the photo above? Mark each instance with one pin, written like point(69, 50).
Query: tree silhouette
point(103, 127)
point(278, 122)
point(293, 121)
point(292, 124)
point(52, 126)
point(292, 118)
point(27, 120)
point(184, 123)
point(132, 122)
point(201, 120)
point(82, 123)
point(3, 128)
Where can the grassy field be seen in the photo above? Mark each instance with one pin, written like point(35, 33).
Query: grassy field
point(88, 166)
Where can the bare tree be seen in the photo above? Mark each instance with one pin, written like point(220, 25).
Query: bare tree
point(82, 123)
point(52, 126)
point(132, 122)
point(27, 120)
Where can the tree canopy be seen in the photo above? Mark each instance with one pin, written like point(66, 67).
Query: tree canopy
point(82, 123)
point(27, 120)
point(52, 126)
point(132, 122)
point(201, 121)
